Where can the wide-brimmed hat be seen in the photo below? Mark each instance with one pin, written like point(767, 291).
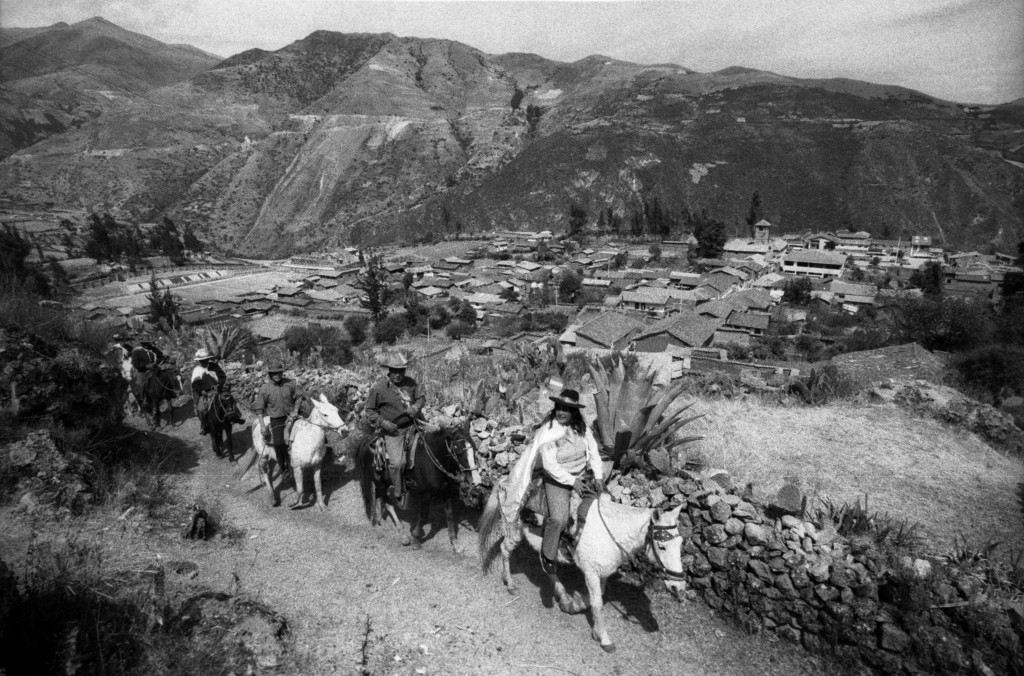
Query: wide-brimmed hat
point(201, 354)
point(395, 361)
point(568, 399)
point(275, 367)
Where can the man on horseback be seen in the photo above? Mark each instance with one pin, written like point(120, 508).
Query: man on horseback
point(208, 379)
point(280, 399)
point(393, 406)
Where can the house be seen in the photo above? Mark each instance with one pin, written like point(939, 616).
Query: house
point(814, 263)
point(716, 286)
point(754, 323)
point(855, 294)
point(431, 292)
point(718, 309)
point(750, 299)
point(741, 247)
point(685, 280)
point(821, 241)
point(686, 329)
point(609, 331)
point(966, 260)
point(646, 299)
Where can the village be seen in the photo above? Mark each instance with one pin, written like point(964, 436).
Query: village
point(750, 311)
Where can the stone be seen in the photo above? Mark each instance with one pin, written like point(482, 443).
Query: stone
point(846, 595)
point(785, 585)
point(718, 557)
point(826, 593)
point(29, 503)
point(700, 565)
point(893, 638)
point(842, 576)
point(732, 499)
point(818, 570)
point(922, 568)
point(715, 534)
point(754, 583)
point(734, 526)
point(790, 521)
point(755, 534)
point(789, 499)
point(733, 541)
point(718, 476)
point(703, 582)
point(744, 510)
point(800, 577)
point(789, 633)
point(777, 564)
point(721, 512)
point(761, 569)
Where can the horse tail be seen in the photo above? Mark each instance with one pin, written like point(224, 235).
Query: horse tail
point(491, 531)
point(362, 454)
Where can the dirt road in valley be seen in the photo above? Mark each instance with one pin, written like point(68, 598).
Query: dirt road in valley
point(357, 602)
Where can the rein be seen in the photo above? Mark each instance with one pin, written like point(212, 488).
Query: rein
point(650, 540)
point(435, 461)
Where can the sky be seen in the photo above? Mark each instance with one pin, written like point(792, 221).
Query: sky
point(969, 51)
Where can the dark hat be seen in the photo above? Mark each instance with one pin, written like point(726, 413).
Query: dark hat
point(568, 399)
point(275, 367)
point(395, 361)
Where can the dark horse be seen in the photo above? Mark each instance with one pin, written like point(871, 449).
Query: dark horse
point(221, 414)
point(153, 387)
point(439, 463)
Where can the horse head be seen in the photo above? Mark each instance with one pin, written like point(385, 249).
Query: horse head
point(325, 414)
point(665, 549)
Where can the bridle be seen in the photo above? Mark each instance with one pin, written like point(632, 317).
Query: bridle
point(656, 533)
point(435, 461)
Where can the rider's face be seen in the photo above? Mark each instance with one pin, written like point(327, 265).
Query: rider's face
point(277, 378)
point(396, 375)
point(563, 415)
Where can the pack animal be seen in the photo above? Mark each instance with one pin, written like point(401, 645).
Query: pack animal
point(611, 535)
point(440, 457)
point(308, 439)
point(219, 418)
point(154, 385)
point(128, 373)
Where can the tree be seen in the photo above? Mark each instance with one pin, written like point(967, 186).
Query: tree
point(577, 220)
point(163, 306)
point(710, 236)
point(389, 329)
point(14, 249)
point(569, 286)
point(754, 213)
point(167, 240)
point(517, 97)
point(928, 278)
point(373, 281)
point(192, 243)
point(655, 252)
point(797, 291)
point(317, 345)
point(533, 115)
point(619, 260)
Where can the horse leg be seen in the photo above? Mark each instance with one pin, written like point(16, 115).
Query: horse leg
point(265, 476)
point(229, 442)
point(300, 492)
point(595, 589)
point(506, 570)
point(453, 525)
point(422, 517)
point(319, 489)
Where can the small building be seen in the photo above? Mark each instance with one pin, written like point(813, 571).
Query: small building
point(814, 263)
point(854, 294)
point(687, 329)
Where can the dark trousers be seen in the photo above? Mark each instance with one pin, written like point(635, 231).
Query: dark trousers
point(558, 515)
point(280, 443)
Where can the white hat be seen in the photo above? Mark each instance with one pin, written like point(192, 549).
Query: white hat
point(202, 353)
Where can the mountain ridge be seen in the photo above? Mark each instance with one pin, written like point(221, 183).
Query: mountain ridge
point(372, 137)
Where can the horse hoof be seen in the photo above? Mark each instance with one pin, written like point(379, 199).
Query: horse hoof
point(417, 545)
point(406, 541)
point(608, 647)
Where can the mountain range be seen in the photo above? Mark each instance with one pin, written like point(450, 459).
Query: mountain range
point(369, 138)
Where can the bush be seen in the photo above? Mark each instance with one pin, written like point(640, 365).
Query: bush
point(357, 326)
point(318, 345)
point(737, 352)
point(457, 329)
point(389, 329)
point(992, 369)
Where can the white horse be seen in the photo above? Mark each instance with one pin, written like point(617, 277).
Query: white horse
point(611, 535)
point(308, 446)
point(128, 373)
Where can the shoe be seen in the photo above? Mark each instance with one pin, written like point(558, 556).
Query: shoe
point(548, 566)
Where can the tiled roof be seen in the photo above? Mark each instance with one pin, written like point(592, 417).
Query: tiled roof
point(815, 257)
point(646, 295)
point(687, 327)
point(715, 308)
point(748, 320)
point(608, 328)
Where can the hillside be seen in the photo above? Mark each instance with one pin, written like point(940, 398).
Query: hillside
point(368, 137)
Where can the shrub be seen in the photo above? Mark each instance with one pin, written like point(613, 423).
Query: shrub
point(320, 345)
point(389, 329)
point(357, 326)
point(457, 329)
point(991, 369)
point(737, 352)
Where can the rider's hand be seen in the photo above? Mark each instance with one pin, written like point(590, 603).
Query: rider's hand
point(580, 485)
point(600, 486)
point(388, 426)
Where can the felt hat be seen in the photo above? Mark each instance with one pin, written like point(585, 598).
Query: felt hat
point(396, 361)
point(201, 354)
point(568, 399)
point(275, 367)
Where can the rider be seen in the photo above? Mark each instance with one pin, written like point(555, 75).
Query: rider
point(281, 399)
point(393, 405)
point(567, 447)
point(208, 378)
point(147, 356)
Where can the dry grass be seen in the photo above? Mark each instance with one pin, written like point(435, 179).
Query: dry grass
point(920, 470)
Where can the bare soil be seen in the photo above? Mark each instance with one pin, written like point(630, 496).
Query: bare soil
point(357, 602)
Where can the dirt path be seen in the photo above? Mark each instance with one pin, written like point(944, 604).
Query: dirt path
point(358, 602)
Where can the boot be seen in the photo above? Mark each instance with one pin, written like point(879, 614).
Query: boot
point(549, 566)
point(202, 426)
point(397, 489)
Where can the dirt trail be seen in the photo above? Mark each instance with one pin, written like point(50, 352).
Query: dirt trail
point(358, 602)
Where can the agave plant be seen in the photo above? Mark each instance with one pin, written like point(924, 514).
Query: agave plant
point(228, 339)
point(633, 413)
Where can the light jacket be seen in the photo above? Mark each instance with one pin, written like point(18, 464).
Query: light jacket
point(566, 454)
